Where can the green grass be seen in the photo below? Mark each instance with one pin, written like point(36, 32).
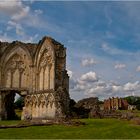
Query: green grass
point(18, 112)
point(11, 122)
point(94, 129)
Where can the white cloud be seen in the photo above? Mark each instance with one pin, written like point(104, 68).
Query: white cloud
point(90, 85)
point(138, 69)
point(119, 66)
point(89, 77)
point(19, 17)
point(14, 9)
point(9, 6)
point(113, 90)
point(110, 49)
point(84, 82)
point(113, 50)
point(38, 12)
point(18, 27)
point(88, 62)
point(21, 14)
point(70, 73)
point(105, 47)
point(132, 86)
point(30, 38)
point(116, 88)
point(101, 89)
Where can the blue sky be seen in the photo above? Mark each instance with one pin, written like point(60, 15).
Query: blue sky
point(102, 40)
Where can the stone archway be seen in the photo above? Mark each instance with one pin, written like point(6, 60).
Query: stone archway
point(37, 71)
point(7, 98)
point(16, 70)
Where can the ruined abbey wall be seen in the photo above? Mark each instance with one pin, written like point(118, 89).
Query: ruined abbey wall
point(115, 104)
point(37, 72)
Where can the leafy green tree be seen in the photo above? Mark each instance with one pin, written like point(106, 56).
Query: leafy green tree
point(133, 100)
point(19, 103)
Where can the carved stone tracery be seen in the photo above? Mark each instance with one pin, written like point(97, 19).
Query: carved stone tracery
point(45, 67)
point(14, 65)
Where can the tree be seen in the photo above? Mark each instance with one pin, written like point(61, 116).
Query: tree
point(19, 103)
point(133, 100)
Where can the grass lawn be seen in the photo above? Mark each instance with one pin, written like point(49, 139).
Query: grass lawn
point(94, 129)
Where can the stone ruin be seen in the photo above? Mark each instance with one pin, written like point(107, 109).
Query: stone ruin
point(85, 108)
point(38, 73)
point(115, 104)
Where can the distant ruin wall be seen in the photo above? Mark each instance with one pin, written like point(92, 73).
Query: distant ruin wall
point(115, 104)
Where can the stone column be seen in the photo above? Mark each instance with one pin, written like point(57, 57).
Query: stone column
point(8, 79)
point(43, 78)
point(32, 77)
point(0, 105)
point(33, 81)
point(52, 74)
point(12, 72)
point(20, 77)
point(37, 81)
point(48, 76)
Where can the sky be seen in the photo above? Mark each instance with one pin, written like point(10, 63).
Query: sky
point(102, 40)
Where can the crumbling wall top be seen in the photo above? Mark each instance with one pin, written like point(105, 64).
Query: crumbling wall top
point(32, 47)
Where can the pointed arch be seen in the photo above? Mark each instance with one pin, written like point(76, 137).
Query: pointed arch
point(43, 47)
point(16, 64)
point(14, 49)
point(44, 61)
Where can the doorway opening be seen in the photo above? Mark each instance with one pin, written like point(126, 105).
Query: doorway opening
point(14, 103)
point(18, 105)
